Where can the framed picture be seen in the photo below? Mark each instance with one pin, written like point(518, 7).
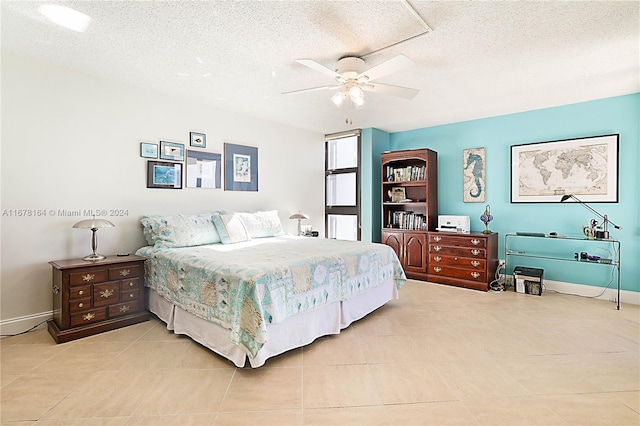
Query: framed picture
point(148, 150)
point(204, 169)
point(163, 174)
point(198, 140)
point(545, 171)
point(473, 175)
point(171, 151)
point(240, 168)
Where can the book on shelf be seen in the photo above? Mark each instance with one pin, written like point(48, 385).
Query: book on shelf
point(407, 220)
point(405, 174)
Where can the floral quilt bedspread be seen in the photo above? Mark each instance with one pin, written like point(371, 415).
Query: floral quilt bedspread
point(245, 286)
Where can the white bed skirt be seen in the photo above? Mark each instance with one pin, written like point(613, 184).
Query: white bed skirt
point(293, 332)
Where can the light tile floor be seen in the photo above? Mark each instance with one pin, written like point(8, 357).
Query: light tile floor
point(439, 355)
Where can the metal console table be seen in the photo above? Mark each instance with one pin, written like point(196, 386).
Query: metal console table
point(614, 262)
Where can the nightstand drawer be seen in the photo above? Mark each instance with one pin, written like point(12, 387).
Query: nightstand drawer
point(80, 305)
point(88, 317)
point(130, 284)
point(124, 272)
point(106, 294)
point(129, 295)
point(123, 308)
point(80, 292)
point(88, 276)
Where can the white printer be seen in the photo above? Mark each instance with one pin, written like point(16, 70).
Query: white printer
point(448, 223)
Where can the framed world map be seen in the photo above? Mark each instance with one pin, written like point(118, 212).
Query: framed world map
point(545, 171)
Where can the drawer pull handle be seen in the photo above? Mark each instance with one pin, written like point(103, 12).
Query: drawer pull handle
point(56, 289)
point(437, 269)
point(475, 252)
point(475, 263)
point(88, 277)
point(106, 293)
point(125, 272)
point(80, 305)
point(437, 248)
point(475, 242)
point(475, 274)
point(132, 284)
point(437, 258)
point(124, 308)
point(131, 295)
point(437, 238)
point(89, 316)
point(81, 292)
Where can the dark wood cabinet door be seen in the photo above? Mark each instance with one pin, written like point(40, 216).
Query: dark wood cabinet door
point(415, 247)
point(394, 240)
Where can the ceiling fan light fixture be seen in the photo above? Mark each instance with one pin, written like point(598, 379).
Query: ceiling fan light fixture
point(338, 98)
point(356, 93)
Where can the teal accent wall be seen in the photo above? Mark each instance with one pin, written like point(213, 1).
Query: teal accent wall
point(373, 143)
point(606, 116)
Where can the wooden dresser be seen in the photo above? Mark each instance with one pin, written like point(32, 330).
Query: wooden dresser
point(464, 260)
point(93, 297)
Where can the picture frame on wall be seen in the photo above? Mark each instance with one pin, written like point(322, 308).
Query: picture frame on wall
point(474, 175)
point(164, 174)
point(586, 167)
point(148, 150)
point(240, 168)
point(204, 169)
point(171, 151)
point(198, 140)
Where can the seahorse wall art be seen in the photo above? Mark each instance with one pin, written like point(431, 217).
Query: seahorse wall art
point(474, 175)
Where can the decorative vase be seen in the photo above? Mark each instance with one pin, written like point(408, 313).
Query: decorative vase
point(486, 218)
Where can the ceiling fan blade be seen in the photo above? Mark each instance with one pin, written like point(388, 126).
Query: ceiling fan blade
point(316, 66)
point(394, 64)
point(388, 89)
point(311, 89)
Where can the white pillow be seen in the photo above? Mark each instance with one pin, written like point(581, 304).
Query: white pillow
point(230, 228)
point(262, 224)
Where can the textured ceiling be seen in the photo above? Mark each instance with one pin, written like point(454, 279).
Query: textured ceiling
point(480, 59)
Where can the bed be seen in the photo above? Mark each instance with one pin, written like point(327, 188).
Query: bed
point(236, 284)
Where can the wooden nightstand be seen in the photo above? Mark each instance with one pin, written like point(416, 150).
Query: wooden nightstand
point(94, 297)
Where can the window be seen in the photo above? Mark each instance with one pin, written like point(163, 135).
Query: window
point(342, 186)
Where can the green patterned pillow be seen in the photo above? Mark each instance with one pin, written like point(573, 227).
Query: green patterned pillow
point(230, 228)
point(179, 230)
point(262, 224)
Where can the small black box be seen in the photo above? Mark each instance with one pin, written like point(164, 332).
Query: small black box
point(528, 280)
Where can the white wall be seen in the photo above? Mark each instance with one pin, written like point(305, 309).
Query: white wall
point(71, 141)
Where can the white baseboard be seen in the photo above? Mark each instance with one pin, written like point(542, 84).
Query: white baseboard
point(20, 324)
point(631, 297)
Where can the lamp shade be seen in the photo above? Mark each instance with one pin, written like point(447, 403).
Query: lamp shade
point(299, 216)
point(93, 223)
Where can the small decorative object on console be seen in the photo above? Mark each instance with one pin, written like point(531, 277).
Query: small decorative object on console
point(486, 218)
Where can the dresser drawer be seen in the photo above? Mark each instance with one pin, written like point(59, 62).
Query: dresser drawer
point(131, 284)
point(457, 240)
point(89, 276)
point(465, 274)
point(123, 308)
point(129, 295)
point(124, 272)
point(478, 253)
point(458, 262)
point(88, 317)
point(106, 293)
point(80, 305)
point(80, 292)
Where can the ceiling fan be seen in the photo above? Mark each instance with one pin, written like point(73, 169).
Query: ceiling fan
point(353, 80)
